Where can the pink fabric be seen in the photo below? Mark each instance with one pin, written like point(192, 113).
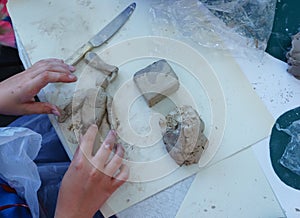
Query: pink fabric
point(7, 36)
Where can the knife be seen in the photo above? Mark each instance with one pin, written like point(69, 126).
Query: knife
point(103, 35)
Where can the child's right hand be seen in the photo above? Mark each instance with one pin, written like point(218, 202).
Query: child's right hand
point(90, 180)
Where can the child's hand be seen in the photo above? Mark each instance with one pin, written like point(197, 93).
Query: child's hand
point(17, 92)
point(90, 180)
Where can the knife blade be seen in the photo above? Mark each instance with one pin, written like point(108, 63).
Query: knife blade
point(103, 35)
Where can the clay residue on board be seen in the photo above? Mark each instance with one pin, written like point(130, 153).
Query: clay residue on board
point(54, 29)
point(293, 57)
point(84, 2)
point(183, 135)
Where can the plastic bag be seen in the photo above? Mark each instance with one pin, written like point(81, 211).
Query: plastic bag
point(18, 149)
point(223, 24)
point(52, 160)
point(250, 18)
point(291, 156)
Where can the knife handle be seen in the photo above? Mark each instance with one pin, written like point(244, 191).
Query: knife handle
point(75, 58)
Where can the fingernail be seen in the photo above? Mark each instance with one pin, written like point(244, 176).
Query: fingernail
point(72, 68)
point(107, 146)
point(55, 112)
point(72, 76)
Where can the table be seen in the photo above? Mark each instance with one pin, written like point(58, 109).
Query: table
point(279, 91)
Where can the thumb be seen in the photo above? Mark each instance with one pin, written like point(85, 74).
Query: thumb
point(40, 108)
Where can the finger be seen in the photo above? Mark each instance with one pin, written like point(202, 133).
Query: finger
point(38, 108)
point(75, 156)
point(43, 61)
point(40, 81)
point(102, 155)
point(121, 177)
point(110, 139)
point(115, 163)
point(54, 65)
point(88, 139)
point(52, 76)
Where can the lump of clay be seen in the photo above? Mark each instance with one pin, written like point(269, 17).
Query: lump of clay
point(183, 137)
point(293, 57)
point(156, 81)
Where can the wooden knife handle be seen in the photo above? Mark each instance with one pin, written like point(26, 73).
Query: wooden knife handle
point(75, 58)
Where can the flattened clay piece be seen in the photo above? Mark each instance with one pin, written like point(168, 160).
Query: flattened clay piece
point(96, 62)
point(184, 138)
point(72, 107)
point(156, 81)
point(93, 109)
point(86, 108)
point(91, 106)
point(110, 71)
point(293, 57)
point(110, 115)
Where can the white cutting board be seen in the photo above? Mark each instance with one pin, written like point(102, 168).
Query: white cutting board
point(58, 28)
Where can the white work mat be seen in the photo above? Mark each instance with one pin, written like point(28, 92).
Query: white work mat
point(235, 187)
point(212, 80)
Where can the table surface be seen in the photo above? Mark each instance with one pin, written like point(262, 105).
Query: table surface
point(280, 92)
